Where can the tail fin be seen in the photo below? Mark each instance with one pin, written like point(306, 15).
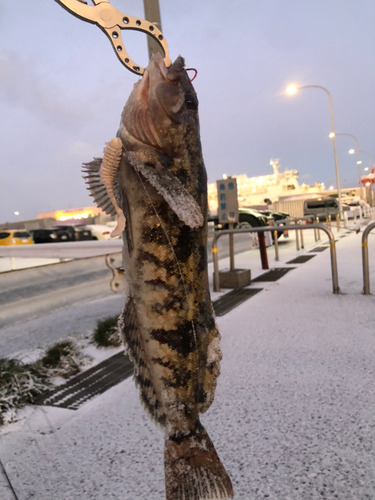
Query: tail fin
point(193, 470)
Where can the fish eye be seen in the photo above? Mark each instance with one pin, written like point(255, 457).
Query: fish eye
point(191, 101)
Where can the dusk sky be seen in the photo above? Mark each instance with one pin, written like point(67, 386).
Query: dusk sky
point(62, 90)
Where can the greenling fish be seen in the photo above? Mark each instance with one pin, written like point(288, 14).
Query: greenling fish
point(159, 183)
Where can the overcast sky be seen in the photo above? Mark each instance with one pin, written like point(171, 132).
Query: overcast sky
point(62, 90)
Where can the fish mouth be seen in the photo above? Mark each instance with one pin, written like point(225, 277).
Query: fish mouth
point(154, 107)
point(171, 77)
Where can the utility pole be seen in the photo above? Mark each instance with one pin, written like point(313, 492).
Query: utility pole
point(152, 14)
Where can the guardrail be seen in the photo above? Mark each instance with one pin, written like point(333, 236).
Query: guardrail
point(332, 245)
point(65, 250)
point(365, 264)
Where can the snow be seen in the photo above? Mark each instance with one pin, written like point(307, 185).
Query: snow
point(293, 417)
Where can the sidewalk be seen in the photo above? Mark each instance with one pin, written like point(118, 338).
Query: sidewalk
point(293, 417)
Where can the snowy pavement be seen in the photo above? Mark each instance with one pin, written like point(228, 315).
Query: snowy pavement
point(293, 417)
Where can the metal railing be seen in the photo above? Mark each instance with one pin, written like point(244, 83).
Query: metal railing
point(365, 264)
point(332, 245)
point(299, 234)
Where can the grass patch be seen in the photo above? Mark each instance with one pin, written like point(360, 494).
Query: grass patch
point(62, 359)
point(106, 333)
point(20, 384)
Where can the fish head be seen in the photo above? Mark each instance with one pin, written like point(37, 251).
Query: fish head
point(162, 110)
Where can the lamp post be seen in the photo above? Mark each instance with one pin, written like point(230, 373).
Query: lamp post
point(292, 89)
point(152, 14)
point(358, 158)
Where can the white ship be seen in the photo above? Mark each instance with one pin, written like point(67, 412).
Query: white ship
point(266, 189)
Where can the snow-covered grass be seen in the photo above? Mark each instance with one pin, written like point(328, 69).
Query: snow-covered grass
point(23, 379)
point(20, 383)
point(62, 359)
point(106, 333)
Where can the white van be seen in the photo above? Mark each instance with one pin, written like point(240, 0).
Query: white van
point(323, 207)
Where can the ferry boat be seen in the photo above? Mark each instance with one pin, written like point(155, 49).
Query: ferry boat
point(268, 189)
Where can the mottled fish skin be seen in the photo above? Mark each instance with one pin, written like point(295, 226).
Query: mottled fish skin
point(168, 322)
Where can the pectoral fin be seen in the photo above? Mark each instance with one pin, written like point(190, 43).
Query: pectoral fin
point(170, 188)
point(101, 178)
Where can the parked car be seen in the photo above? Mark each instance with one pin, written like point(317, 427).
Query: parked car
point(15, 237)
point(253, 218)
point(355, 204)
point(75, 233)
point(325, 206)
point(49, 235)
point(100, 232)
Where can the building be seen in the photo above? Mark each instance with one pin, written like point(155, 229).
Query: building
point(73, 214)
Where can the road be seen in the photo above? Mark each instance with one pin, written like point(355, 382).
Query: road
point(42, 305)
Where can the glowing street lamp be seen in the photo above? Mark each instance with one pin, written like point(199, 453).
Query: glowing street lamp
point(291, 90)
point(358, 159)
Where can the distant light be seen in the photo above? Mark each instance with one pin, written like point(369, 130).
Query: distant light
point(16, 213)
point(271, 162)
point(291, 89)
point(351, 151)
point(368, 183)
point(366, 169)
point(331, 188)
point(331, 135)
point(225, 176)
point(359, 162)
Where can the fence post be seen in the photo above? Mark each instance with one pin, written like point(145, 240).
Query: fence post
point(276, 245)
point(318, 230)
point(365, 263)
point(297, 241)
point(231, 248)
point(263, 250)
point(302, 242)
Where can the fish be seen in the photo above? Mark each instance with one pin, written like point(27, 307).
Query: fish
point(168, 323)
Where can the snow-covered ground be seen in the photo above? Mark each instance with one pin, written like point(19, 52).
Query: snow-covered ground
point(293, 417)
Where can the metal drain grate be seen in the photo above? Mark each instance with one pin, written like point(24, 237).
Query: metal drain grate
point(90, 383)
point(301, 259)
point(318, 249)
point(233, 299)
point(273, 274)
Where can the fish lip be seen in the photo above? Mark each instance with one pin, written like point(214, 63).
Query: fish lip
point(158, 61)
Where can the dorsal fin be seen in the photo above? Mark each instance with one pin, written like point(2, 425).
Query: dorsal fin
point(101, 177)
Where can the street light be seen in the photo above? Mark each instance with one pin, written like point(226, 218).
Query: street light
point(358, 159)
point(292, 89)
point(351, 151)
